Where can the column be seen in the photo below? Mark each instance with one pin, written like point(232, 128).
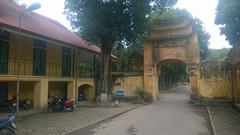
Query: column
point(71, 92)
point(41, 94)
point(155, 92)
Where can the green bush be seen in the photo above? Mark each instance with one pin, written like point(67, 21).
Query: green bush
point(142, 95)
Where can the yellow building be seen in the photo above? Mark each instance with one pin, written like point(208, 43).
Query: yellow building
point(43, 56)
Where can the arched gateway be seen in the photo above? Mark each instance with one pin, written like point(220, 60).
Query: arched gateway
point(172, 40)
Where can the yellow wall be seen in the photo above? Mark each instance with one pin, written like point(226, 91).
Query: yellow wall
point(57, 88)
point(216, 81)
point(215, 87)
point(24, 52)
point(54, 60)
point(129, 84)
point(26, 90)
point(236, 83)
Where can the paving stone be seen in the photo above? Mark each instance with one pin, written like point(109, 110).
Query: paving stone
point(65, 122)
point(226, 120)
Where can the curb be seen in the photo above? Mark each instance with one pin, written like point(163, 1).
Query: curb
point(107, 118)
point(211, 121)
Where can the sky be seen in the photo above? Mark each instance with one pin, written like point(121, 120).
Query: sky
point(202, 9)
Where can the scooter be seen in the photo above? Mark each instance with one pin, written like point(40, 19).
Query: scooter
point(54, 104)
point(8, 105)
point(7, 125)
point(69, 105)
point(60, 104)
point(25, 104)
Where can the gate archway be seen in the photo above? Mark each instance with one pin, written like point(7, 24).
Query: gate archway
point(171, 40)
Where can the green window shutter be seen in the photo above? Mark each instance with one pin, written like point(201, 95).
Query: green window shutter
point(4, 48)
point(39, 58)
point(66, 62)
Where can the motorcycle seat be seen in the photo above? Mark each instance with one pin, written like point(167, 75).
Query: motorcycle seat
point(3, 119)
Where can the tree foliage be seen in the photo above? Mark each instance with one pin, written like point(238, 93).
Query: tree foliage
point(217, 54)
point(171, 73)
point(130, 58)
point(203, 37)
point(228, 17)
point(160, 6)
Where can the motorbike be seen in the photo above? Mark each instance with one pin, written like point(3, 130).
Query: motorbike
point(25, 104)
point(8, 105)
point(13, 104)
point(60, 104)
point(7, 125)
point(69, 105)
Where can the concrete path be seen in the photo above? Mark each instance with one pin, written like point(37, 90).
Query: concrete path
point(226, 121)
point(172, 115)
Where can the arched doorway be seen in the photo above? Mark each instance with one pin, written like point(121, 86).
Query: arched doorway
point(172, 73)
point(86, 93)
point(171, 40)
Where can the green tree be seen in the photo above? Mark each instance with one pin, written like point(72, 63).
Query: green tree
point(217, 54)
point(203, 37)
point(130, 58)
point(171, 73)
point(108, 23)
point(228, 17)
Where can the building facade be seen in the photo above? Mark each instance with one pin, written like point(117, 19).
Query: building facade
point(44, 57)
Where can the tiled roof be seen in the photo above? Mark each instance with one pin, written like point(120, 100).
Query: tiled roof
point(39, 25)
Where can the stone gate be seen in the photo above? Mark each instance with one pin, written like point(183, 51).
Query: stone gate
point(171, 40)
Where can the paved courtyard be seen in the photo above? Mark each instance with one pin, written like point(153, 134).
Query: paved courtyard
point(63, 123)
point(172, 115)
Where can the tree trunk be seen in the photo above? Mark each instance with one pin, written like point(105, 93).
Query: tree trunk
point(105, 72)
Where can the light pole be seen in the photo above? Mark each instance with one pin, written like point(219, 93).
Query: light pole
point(32, 7)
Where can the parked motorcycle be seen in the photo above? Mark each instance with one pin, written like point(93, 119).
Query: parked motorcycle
point(13, 104)
point(54, 104)
point(7, 125)
point(69, 105)
point(8, 105)
point(60, 104)
point(25, 104)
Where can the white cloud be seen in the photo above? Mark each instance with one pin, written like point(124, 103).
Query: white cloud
point(52, 9)
point(205, 10)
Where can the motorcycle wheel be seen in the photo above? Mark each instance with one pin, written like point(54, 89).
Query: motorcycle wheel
point(50, 109)
point(7, 131)
point(71, 109)
point(27, 107)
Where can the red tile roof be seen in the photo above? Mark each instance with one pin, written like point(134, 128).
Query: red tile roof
point(39, 25)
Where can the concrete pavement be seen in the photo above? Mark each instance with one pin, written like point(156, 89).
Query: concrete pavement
point(172, 115)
